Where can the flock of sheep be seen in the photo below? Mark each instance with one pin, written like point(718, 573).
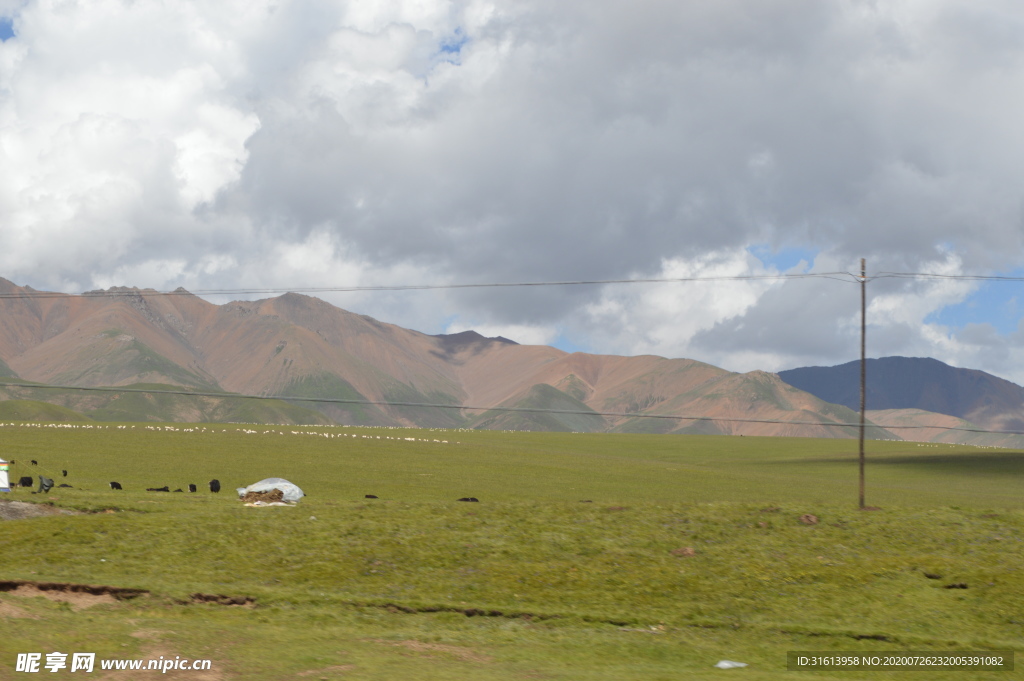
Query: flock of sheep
point(47, 483)
point(247, 431)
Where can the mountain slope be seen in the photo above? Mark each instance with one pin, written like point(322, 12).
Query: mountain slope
point(918, 383)
point(925, 426)
point(310, 352)
point(554, 404)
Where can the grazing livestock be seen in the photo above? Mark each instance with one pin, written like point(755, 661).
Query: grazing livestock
point(191, 488)
point(371, 496)
point(34, 462)
point(115, 485)
point(65, 473)
point(179, 490)
point(215, 486)
point(469, 499)
point(165, 488)
point(25, 481)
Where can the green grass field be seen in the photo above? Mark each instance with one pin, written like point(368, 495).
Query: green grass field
point(556, 588)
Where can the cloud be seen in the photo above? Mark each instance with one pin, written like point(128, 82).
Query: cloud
point(318, 143)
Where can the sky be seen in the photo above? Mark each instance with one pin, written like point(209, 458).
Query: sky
point(311, 143)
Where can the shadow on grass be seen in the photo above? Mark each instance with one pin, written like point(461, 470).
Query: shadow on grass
point(994, 463)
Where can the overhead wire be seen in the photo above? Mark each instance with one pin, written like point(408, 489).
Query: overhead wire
point(531, 410)
point(122, 291)
point(946, 277)
point(841, 276)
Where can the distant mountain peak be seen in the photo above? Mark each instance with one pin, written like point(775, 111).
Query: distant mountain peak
point(453, 342)
point(914, 383)
point(122, 290)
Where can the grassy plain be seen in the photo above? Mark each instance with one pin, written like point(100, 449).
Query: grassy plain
point(352, 588)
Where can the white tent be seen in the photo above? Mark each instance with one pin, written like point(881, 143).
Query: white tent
point(290, 490)
point(5, 483)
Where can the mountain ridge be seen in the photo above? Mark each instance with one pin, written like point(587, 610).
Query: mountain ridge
point(922, 383)
point(306, 349)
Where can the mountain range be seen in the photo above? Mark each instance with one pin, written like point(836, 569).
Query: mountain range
point(194, 357)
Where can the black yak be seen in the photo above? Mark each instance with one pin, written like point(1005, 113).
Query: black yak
point(215, 486)
point(191, 488)
point(115, 485)
point(26, 481)
point(165, 488)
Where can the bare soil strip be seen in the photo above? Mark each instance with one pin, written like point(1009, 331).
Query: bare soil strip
point(20, 510)
point(459, 652)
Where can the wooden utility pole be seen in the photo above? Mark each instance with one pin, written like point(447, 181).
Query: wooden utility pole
point(863, 368)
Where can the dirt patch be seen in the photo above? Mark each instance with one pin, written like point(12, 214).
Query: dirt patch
point(809, 519)
point(79, 596)
point(19, 510)
point(220, 599)
point(458, 652)
point(685, 551)
point(77, 600)
point(336, 669)
point(147, 634)
point(11, 611)
point(266, 497)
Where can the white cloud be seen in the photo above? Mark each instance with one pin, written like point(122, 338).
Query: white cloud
point(663, 318)
point(211, 155)
point(325, 142)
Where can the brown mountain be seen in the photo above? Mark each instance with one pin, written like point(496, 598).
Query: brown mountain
point(926, 426)
point(301, 347)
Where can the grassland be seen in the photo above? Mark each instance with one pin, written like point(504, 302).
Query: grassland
point(351, 588)
point(25, 402)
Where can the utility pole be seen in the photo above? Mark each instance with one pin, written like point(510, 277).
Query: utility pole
point(863, 368)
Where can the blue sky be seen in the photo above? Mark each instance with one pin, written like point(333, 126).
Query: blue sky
point(783, 259)
point(998, 304)
point(453, 44)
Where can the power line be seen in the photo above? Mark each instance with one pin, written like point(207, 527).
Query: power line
point(122, 291)
point(952, 277)
point(531, 410)
point(845, 277)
